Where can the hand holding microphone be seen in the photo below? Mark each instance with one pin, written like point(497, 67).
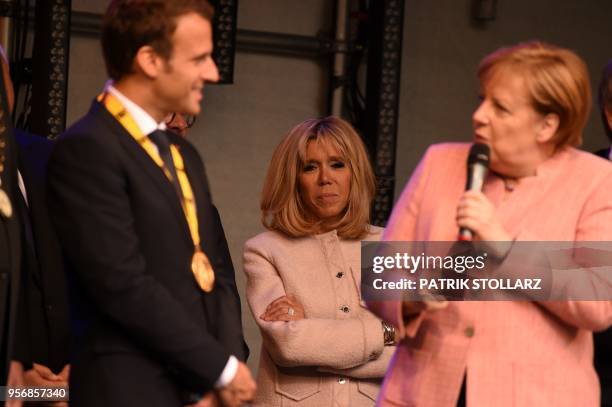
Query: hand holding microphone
point(476, 215)
point(477, 168)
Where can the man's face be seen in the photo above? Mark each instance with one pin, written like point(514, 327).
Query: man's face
point(180, 84)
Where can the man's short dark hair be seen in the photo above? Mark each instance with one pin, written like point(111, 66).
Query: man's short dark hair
point(605, 96)
point(131, 24)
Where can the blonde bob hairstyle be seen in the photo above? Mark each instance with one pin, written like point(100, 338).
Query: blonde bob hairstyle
point(282, 206)
point(557, 81)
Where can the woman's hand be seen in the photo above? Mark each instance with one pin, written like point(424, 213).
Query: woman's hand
point(429, 302)
point(477, 213)
point(285, 308)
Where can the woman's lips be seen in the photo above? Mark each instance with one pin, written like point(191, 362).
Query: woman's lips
point(328, 198)
point(479, 139)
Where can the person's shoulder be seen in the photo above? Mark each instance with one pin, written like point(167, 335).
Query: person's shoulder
point(450, 148)
point(588, 169)
point(267, 238)
point(92, 137)
point(445, 158)
point(588, 161)
point(272, 244)
point(448, 151)
point(96, 123)
point(373, 233)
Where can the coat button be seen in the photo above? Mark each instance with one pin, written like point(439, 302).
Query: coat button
point(469, 331)
point(340, 274)
point(345, 309)
point(341, 380)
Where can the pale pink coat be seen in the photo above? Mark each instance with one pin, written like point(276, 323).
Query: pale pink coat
point(335, 357)
point(515, 353)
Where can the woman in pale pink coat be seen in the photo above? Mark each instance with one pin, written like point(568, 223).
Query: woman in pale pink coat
point(321, 346)
point(535, 103)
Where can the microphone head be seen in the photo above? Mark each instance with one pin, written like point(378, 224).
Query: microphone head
point(479, 154)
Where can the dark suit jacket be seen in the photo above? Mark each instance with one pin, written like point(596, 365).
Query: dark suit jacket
point(10, 259)
point(44, 314)
point(10, 240)
point(147, 331)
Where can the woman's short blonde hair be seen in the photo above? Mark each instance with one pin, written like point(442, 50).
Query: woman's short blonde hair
point(557, 81)
point(281, 203)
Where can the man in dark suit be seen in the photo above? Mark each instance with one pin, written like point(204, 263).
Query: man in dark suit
point(42, 333)
point(158, 306)
point(603, 340)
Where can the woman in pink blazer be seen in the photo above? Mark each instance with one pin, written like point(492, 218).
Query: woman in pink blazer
point(321, 346)
point(535, 102)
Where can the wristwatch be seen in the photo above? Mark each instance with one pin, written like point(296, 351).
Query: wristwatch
point(388, 333)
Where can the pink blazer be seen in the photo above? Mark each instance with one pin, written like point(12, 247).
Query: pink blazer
point(514, 353)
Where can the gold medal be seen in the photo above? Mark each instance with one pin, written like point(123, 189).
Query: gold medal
point(6, 209)
point(202, 270)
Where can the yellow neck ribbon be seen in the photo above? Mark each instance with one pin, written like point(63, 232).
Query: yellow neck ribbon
point(116, 108)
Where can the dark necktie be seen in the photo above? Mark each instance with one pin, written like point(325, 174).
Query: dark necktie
point(160, 139)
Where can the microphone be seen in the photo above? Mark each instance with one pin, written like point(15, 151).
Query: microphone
point(477, 168)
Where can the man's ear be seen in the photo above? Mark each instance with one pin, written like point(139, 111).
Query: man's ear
point(609, 116)
point(148, 61)
point(548, 128)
